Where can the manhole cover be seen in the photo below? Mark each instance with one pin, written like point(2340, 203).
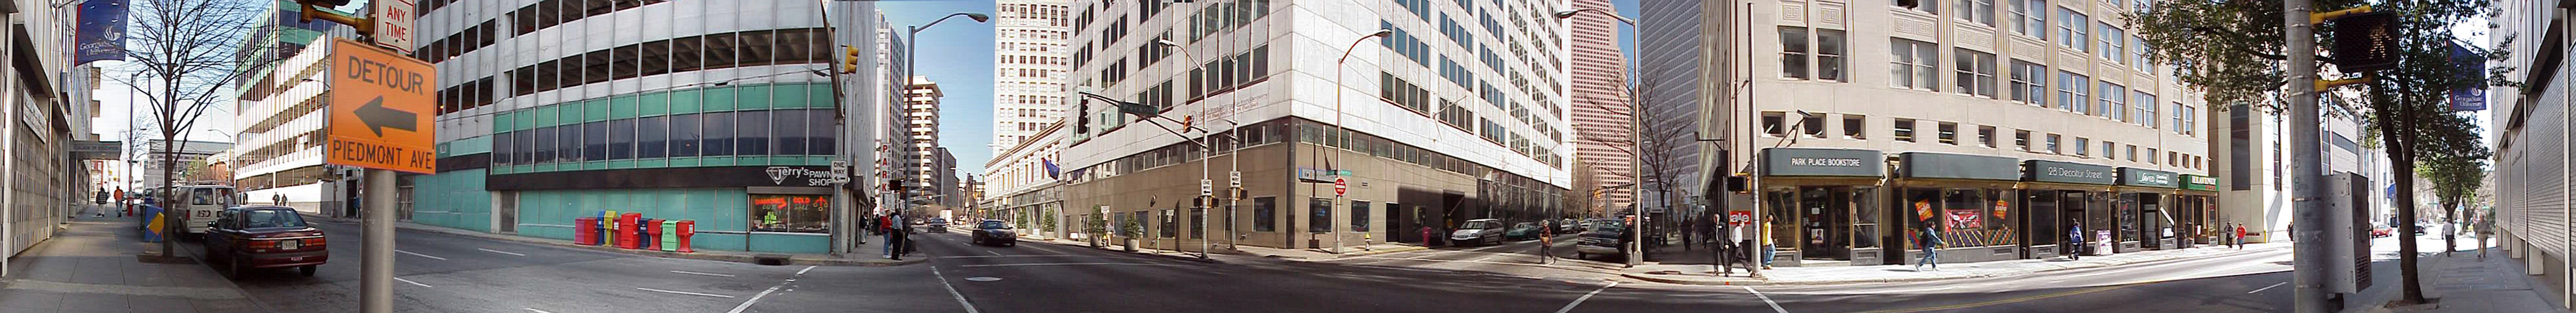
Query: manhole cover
point(983, 279)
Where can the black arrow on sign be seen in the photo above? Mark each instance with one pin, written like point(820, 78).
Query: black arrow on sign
point(378, 117)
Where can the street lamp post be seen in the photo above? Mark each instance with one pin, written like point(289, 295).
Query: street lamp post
point(1206, 152)
point(1336, 163)
point(912, 46)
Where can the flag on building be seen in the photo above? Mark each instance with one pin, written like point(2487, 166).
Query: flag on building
point(1052, 171)
point(101, 32)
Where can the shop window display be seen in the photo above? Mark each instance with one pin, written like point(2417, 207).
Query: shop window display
point(790, 213)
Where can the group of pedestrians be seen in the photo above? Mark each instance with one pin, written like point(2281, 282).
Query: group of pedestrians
point(898, 241)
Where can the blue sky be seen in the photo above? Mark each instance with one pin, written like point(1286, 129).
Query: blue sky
point(959, 56)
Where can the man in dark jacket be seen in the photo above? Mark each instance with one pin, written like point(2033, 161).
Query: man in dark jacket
point(2075, 242)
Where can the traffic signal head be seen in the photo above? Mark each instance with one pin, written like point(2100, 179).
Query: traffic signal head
point(2365, 42)
point(849, 59)
point(324, 3)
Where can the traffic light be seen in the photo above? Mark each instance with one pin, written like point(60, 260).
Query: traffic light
point(849, 59)
point(324, 3)
point(2365, 42)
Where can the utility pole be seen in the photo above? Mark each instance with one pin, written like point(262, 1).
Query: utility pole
point(2308, 213)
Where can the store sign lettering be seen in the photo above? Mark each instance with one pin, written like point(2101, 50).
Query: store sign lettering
point(780, 175)
point(2204, 180)
point(2154, 179)
point(2065, 172)
point(1841, 162)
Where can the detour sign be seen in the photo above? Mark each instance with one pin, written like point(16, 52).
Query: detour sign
point(380, 110)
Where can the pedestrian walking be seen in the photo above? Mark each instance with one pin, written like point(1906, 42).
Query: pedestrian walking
point(2240, 236)
point(2485, 227)
point(2449, 236)
point(1931, 243)
point(2075, 242)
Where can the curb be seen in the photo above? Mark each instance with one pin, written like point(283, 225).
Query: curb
point(1653, 278)
point(737, 258)
point(1175, 255)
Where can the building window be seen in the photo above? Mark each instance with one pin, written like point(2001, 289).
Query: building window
point(1359, 216)
point(2138, 51)
point(1830, 46)
point(2070, 30)
point(1905, 130)
point(1978, 11)
point(1322, 219)
point(2030, 18)
point(1793, 52)
point(1771, 124)
point(1949, 133)
point(2083, 147)
point(2021, 138)
point(1976, 73)
point(2185, 119)
point(790, 213)
point(2052, 144)
point(1855, 126)
point(2110, 150)
point(1986, 136)
point(1265, 214)
point(1926, 6)
point(2073, 92)
point(2146, 105)
point(2029, 83)
point(2114, 42)
point(2114, 103)
point(1813, 124)
point(1912, 64)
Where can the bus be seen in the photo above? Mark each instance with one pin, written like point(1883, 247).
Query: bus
point(198, 203)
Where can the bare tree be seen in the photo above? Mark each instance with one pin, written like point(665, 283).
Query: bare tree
point(188, 52)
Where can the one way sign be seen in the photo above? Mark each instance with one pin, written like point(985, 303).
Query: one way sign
point(380, 110)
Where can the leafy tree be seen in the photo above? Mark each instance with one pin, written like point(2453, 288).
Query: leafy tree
point(2233, 52)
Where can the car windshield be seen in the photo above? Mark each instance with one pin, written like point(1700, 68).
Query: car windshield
point(1526, 225)
point(993, 225)
point(272, 219)
point(1475, 225)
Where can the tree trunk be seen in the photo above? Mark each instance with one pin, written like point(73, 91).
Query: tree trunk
point(2397, 129)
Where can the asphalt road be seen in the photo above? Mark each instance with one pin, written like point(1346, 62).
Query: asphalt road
point(450, 273)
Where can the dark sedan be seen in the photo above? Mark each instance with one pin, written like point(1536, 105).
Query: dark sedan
point(994, 232)
point(257, 237)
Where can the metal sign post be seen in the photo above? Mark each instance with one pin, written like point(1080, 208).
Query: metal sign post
point(379, 119)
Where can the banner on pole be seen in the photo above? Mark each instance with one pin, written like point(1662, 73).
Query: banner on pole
point(101, 32)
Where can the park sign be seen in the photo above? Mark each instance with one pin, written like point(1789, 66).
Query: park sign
point(380, 110)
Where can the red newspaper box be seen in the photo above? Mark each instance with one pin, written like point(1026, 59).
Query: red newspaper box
point(686, 229)
point(584, 231)
point(625, 235)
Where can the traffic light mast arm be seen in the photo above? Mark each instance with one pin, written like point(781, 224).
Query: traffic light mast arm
point(365, 26)
point(2321, 18)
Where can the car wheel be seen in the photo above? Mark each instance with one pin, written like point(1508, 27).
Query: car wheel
point(307, 270)
point(1580, 255)
point(232, 268)
point(1014, 243)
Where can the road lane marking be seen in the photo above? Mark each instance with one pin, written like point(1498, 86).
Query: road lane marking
point(683, 292)
point(746, 304)
point(414, 283)
point(1564, 267)
point(2268, 287)
point(1006, 256)
point(1047, 264)
point(952, 290)
point(1586, 296)
point(991, 251)
point(536, 310)
point(707, 274)
point(421, 255)
point(1913, 290)
point(802, 271)
point(500, 252)
point(1775, 306)
point(1400, 268)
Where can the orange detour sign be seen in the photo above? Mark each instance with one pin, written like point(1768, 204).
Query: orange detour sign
point(380, 110)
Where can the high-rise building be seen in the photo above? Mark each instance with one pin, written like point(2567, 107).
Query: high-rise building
point(1457, 113)
point(1603, 119)
point(1030, 60)
point(683, 110)
point(921, 124)
point(1997, 126)
point(277, 150)
point(2532, 177)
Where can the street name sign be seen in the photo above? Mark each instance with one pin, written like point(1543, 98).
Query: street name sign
point(380, 110)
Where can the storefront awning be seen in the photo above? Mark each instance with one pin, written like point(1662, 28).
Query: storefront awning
point(2068, 172)
point(1957, 166)
point(1822, 162)
point(2201, 183)
point(2130, 176)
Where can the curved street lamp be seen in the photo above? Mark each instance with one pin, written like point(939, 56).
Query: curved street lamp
point(1336, 163)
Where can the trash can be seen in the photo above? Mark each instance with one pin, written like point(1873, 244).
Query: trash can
point(670, 238)
point(585, 232)
point(686, 229)
point(152, 223)
point(625, 229)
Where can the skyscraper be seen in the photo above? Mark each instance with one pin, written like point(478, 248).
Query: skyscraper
point(921, 124)
point(1030, 59)
point(1602, 120)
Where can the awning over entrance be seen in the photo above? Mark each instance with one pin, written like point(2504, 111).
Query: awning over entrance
point(1956, 166)
point(1822, 162)
point(2130, 176)
point(2068, 172)
point(2201, 183)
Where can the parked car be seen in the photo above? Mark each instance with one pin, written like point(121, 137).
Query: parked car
point(1478, 231)
point(1524, 231)
point(257, 237)
point(936, 225)
point(1605, 238)
point(2382, 231)
point(994, 232)
point(1568, 226)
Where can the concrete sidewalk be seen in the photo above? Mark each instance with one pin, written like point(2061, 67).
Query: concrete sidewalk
point(2463, 283)
point(92, 267)
point(1701, 274)
point(870, 253)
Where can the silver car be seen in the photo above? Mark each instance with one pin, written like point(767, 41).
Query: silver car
point(1478, 231)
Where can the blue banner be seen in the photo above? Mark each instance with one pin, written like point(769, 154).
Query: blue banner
point(2468, 98)
point(101, 33)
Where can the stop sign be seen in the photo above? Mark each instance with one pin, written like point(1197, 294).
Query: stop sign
point(1341, 187)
